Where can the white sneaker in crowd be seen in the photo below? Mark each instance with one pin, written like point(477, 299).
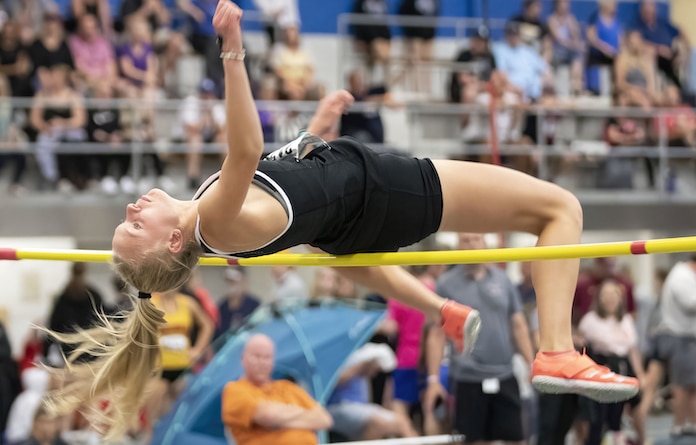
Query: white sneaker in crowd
point(65, 186)
point(127, 185)
point(145, 184)
point(109, 185)
point(167, 184)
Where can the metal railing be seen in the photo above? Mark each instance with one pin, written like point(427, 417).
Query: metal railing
point(423, 126)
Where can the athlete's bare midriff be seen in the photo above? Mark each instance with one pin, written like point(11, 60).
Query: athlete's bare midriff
point(261, 219)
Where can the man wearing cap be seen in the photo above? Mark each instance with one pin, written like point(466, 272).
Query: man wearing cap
point(202, 119)
point(237, 304)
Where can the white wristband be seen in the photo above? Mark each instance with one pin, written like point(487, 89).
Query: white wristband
point(231, 55)
point(433, 378)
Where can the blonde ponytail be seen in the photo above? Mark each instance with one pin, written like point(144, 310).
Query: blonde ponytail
point(122, 357)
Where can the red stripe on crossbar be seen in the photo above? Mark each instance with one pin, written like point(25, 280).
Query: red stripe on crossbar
point(638, 248)
point(8, 254)
point(233, 262)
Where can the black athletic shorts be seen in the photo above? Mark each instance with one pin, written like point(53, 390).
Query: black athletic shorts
point(399, 203)
point(369, 33)
point(488, 417)
point(344, 198)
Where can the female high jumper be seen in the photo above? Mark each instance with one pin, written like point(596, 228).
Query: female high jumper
point(339, 197)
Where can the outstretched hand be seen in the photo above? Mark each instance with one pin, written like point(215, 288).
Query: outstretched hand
point(226, 22)
point(325, 121)
point(336, 103)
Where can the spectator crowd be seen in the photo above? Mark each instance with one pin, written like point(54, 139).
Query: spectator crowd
point(70, 60)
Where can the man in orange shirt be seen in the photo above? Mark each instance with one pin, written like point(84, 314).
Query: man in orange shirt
point(259, 411)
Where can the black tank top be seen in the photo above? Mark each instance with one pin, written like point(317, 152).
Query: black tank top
point(57, 111)
point(316, 199)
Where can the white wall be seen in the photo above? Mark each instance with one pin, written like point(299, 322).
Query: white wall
point(28, 287)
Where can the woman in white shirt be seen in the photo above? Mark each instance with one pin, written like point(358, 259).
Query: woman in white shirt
point(612, 340)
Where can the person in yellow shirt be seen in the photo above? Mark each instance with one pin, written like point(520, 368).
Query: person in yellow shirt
point(177, 354)
point(259, 411)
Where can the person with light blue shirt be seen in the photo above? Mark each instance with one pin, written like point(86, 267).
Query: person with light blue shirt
point(523, 66)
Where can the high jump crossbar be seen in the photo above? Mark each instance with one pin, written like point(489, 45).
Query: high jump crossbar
point(511, 254)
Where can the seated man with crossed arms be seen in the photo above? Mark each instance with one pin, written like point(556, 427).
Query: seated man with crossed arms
point(258, 411)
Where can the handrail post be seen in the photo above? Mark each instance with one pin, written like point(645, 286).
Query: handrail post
point(541, 145)
point(663, 160)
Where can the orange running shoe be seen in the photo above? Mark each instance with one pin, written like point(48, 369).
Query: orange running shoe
point(461, 324)
point(578, 374)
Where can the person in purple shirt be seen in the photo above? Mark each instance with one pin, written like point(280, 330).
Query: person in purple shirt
point(659, 33)
point(136, 58)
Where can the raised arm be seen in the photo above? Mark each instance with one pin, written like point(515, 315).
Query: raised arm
point(244, 135)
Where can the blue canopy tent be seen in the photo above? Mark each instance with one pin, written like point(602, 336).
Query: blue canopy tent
point(312, 343)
